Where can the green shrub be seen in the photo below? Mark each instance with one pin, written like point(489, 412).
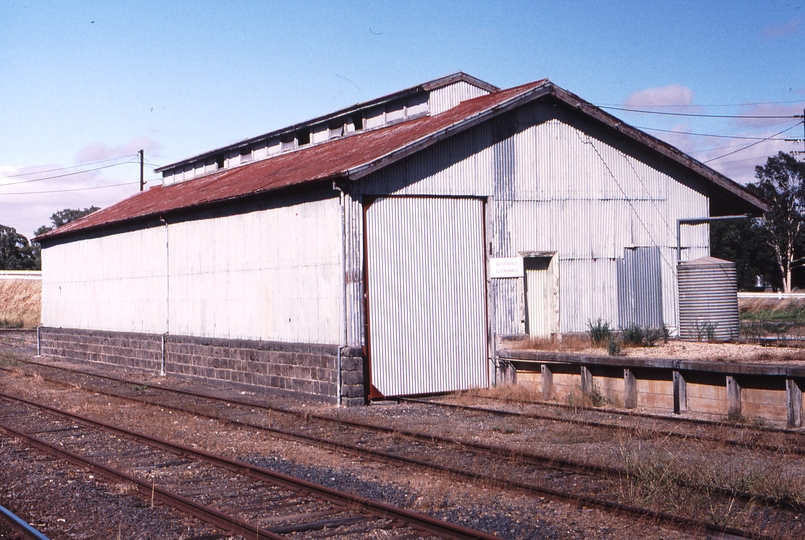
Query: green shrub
point(613, 347)
point(599, 332)
point(705, 331)
point(652, 335)
point(644, 336)
point(633, 335)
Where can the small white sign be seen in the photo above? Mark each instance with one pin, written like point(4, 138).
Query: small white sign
point(506, 267)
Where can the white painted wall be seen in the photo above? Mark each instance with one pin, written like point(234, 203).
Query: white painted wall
point(114, 282)
point(269, 275)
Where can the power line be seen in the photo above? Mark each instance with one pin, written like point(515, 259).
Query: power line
point(66, 174)
point(694, 115)
point(605, 105)
point(704, 134)
point(66, 190)
point(19, 175)
point(753, 144)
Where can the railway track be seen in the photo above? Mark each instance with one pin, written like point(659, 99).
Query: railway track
point(10, 524)
point(238, 497)
point(540, 475)
point(768, 438)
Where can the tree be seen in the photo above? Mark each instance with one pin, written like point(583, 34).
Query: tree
point(15, 251)
point(744, 242)
point(782, 183)
point(62, 217)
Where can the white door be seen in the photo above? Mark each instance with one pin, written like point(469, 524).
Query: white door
point(542, 296)
point(426, 295)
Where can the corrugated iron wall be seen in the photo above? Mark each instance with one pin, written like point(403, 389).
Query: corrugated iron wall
point(353, 214)
point(708, 300)
point(554, 185)
point(640, 287)
point(245, 277)
point(427, 297)
point(109, 283)
point(447, 97)
point(239, 276)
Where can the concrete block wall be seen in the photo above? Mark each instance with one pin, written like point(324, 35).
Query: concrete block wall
point(720, 390)
point(128, 350)
point(286, 368)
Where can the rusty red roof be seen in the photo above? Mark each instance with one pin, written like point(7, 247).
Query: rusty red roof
point(351, 156)
point(356, 155)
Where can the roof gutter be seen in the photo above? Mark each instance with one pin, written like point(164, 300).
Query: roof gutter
point(58, 234)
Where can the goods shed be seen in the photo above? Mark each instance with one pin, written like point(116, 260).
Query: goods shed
point(383, 250)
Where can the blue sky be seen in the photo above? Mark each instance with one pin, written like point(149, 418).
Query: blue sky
point(86, 84)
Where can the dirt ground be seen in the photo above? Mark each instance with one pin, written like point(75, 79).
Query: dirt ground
point(714, 352)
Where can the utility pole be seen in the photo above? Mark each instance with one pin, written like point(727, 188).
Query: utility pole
point(802, 140)
point(142, 158)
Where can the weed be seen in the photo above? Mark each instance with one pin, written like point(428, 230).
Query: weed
point(11, 322)
point(790, 313)
point(599, 331)
point(597, 397)
point(139, 387)
point(578, 400)
point(21, 303)
point(651, 336)
point(633, 335)
point(8, 359)
point(705, 331)
point(613, 347)
point(736, 418)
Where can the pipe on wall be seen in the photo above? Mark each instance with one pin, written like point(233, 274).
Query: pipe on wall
point(167, 294)
point(343, 321)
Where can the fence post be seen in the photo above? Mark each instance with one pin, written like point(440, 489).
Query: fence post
point(680, 394)
point(629, 389)
point(793, 403)
point(733, 398)
point(547, 382)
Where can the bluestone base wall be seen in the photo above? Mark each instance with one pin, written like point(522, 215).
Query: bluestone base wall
point(287, 368)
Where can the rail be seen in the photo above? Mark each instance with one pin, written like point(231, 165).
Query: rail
point(21, 525)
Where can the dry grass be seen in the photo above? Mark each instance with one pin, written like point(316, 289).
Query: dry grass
point(676, 480)
point(567, 343)
point(20, 303)
point(508, 392)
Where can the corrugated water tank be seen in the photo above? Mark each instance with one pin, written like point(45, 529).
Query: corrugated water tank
point(708, 300)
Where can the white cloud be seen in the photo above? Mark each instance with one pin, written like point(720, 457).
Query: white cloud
point(787, 28)
point(102, 176)
point(671, 97)
point(99, 151)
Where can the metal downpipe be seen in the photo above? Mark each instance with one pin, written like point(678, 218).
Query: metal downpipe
point(342, 200)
